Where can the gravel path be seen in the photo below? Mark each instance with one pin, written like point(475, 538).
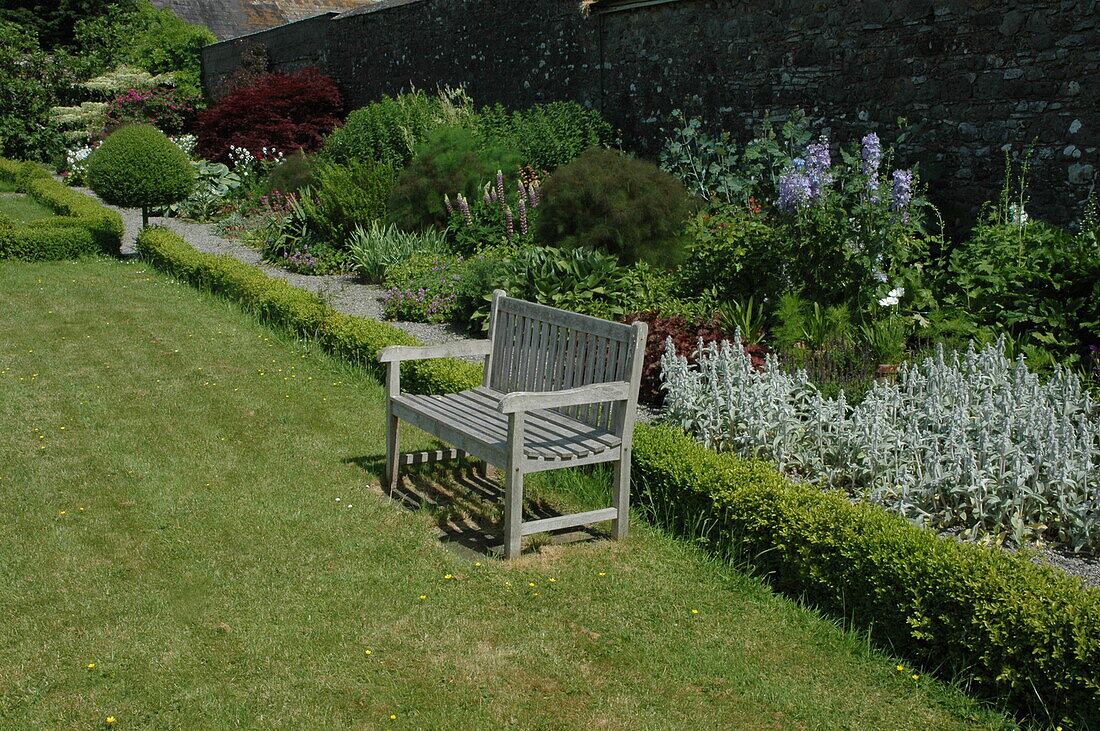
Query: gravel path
point(345, 293)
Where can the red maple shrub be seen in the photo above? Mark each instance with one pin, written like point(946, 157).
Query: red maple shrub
point(685, 336)
point(287, 112)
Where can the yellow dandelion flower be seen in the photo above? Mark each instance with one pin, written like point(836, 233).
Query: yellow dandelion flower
point(915, 677)
point(603, 573)
point(423, 597)
point(91, 665)
point(448, 576)
point(694, 611)
point(393, 717)
point(110, 719)
point(478, 563)
point(368, 652)
point(553, 581)
point(530, 583)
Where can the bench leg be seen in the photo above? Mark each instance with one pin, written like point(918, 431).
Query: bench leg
point(621, 497)
point(393, 453)
point(513, 513)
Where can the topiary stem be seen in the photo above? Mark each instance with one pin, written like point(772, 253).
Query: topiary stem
point(144, 218)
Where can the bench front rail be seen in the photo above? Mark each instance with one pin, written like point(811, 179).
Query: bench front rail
point(560, 390)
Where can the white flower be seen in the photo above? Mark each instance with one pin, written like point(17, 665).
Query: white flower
point(888, 301)
point(1017, 214)
point(896, 293)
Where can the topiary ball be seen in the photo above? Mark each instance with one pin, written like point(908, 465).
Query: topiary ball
point(139, 167)
point(607, 200)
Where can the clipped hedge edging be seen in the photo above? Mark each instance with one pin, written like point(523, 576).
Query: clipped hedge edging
point(1027, 634)
point(82, 225)
point(354, 338)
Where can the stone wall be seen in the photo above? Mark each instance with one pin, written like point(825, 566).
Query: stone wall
point(517, 52)
point(970, 76)
point(289, 47)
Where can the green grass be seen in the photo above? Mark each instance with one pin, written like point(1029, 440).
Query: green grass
point(23, 208)
point(188, 505)
point(8, 186)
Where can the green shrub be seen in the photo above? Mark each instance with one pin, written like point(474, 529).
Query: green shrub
point(1031, 278)
point(579, 280)
point(737, 255)
point(349, 196)
point(354, 338)
point(547, 136)
point(450, 162)
point(390, 130)
point(295, 172)
point(375, 249)
point(82, 226)
point(625, 206)
point(1026, 634)
point(139, 167)
point(424, 288)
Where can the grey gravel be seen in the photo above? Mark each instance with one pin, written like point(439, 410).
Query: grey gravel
point(343, 291)
point(346, 294)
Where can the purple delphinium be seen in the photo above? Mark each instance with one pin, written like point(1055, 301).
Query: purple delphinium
point(500, 186)
point(522, 191)
point(534, 192)
point(509, 224)
point(795, 192)
point(903, 192)
point(447, 204)
point(872, 160)
point(485, 191)
point(522, 216)
point(817, 164)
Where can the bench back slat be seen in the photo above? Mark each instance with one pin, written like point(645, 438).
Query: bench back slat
point(541, 348)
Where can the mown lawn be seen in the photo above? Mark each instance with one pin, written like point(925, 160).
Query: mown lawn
point(23, 208)
point(191, 540)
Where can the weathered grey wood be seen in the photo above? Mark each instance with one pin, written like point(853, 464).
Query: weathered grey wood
point(593, 393)
point(513, 488)
point(560, 389)
point(439, 455)
point(568, 521)
point(393, 424)
point(456, 349)
point(621, 495)
point(494, 314)
point(572, 320)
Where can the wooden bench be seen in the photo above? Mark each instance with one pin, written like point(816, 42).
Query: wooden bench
point(560, 390)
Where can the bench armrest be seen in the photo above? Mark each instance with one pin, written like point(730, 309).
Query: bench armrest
point(591, 394)
point(457, 349)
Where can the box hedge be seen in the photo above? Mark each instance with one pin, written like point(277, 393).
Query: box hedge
point(82, 225)
point(1025, 634)
point(353, 338)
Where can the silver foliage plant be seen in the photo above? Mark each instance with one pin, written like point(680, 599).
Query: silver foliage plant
point(970, 443)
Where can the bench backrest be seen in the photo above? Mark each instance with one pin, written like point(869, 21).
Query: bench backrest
point(541, 348)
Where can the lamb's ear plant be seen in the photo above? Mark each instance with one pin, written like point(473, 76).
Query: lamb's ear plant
point(966, 442)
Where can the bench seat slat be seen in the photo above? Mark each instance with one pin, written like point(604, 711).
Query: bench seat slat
point(564, 433)
point(547, 436)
